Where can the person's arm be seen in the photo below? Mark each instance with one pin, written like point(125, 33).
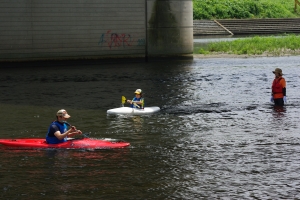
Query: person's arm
point(283, 87)
point(284, 91)
point(72, 131)
point(137, 102)
point(140, 102)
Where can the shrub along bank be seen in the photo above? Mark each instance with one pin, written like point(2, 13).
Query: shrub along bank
point(274, 46)
point(243, 9)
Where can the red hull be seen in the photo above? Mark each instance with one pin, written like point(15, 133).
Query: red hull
point(85, 143)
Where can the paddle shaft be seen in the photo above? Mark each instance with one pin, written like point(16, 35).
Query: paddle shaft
point(124, 99)
point(84, 134)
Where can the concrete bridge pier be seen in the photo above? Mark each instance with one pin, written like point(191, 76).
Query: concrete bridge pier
point(32, 30)
point(169, 27)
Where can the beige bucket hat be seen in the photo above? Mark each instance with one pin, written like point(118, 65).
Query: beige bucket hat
point(278, 71)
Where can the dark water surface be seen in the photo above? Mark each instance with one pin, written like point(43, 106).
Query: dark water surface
point(216, 137)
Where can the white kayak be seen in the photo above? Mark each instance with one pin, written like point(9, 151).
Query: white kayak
point(133, 111)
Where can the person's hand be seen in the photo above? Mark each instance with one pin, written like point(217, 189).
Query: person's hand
point(284, 99)
point(129, 101)
point(73, 129)
point(272, 99)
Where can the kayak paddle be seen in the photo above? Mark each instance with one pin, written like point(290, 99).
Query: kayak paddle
point(124, 101)
point(85, 135)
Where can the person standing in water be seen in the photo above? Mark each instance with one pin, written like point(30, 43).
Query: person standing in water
point(278, 88)
point(138, 100)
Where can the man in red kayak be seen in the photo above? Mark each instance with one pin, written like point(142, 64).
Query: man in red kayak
point(278, 88)
point(58, 130)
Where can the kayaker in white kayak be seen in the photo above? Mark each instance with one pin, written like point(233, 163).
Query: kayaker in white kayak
point(138, 100)
point(58, 131)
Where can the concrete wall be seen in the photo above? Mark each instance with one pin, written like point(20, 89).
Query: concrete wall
point(170, 27)
point(87, 29)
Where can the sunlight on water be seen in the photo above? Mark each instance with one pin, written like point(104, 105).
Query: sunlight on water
point(216, 136)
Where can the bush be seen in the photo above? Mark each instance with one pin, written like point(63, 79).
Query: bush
point(243, 9)
point(255, 46)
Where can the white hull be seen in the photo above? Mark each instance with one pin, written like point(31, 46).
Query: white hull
point(133, 111)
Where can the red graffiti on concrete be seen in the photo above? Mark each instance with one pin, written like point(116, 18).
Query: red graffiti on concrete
point(115, 39)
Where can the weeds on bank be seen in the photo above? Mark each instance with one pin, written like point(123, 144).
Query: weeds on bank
point(243, 9)
point(288, 44)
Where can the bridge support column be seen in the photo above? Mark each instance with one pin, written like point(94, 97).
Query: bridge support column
point(169, 25)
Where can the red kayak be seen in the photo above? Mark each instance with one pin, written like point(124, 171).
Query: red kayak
point(84, 143)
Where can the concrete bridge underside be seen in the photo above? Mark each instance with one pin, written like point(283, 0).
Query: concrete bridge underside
point(94, 29)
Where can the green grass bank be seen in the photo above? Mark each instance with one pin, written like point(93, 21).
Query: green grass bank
point(244, 9)
point(269, 46)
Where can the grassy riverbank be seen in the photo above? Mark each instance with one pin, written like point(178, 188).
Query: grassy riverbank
point(243, 9)
point(268, 46)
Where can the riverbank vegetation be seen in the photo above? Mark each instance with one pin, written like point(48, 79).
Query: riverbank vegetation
point(243, 9)
point(272, 45)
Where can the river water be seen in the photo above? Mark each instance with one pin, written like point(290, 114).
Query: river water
point(217, 136)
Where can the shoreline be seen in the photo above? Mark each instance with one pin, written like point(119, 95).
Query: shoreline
point(227, 55)
point(251, 47)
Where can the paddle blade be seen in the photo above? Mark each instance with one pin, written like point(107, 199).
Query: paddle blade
point(143, 103)
point(123, 100)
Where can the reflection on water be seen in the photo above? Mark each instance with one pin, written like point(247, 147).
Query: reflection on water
point(279, 111)
point(36, 174)
point(216, 136)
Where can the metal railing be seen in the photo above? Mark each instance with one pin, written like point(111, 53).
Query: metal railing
point(246, 26)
